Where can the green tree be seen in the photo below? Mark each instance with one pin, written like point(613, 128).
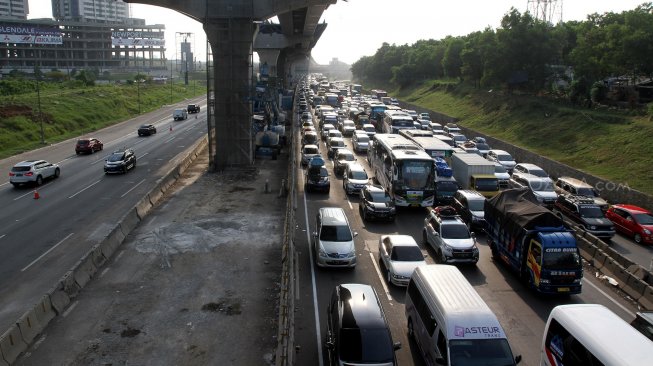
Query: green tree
point(452, 61)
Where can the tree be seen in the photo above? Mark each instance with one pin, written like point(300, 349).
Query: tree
point(86, 77)
point(452, 61)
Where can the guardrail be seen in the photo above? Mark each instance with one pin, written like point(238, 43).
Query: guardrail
point(286, 331)
point(15, 340)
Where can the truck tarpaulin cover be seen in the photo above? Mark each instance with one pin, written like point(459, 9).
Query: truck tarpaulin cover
point(516, 209)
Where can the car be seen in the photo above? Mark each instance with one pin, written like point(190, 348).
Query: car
point(333, 239)
point(412, 113)
point(450, 128)
point(316, 178)
point(479, 139)
point(193, 108)
point(343, 157)
point(33, 172)
point(308, 152)
point(542, 188)
point(120, 161)
point(434, 126)
point(400, 255)
point(333, 133)
point(588, 215)
point(347, 127)
point(334, 144)
point(533, 169)
point(425, 115)
point(447, 233)
point(309, 138)
point(502, 157)
point(568, 185)
point(369, 129)
point(88, 145)
point(325, 131)
point(146, 130)
point(357, 329)
point(376, 204)
point(354, 178)
point(306, 116)
point(360, 141)
point(307, 123)
point(483, 148)
point(632, 221)
point(502, 175)
point(180, 114)
point(458, 138)
point(470, 205)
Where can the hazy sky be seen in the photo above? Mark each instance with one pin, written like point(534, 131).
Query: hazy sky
point(358, 27)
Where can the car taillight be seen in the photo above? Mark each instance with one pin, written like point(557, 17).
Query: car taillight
point(28, 174)
point(11, 174)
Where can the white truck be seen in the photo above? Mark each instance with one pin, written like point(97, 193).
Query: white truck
point(472, 171)
point(179, 114)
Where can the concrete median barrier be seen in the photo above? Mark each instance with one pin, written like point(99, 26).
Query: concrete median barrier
point(12, 344)
point(587, 250)
point(647, 298)
point(143, 207)
point(599, 259)
point(58, 298)
point(112, 242)
point(84, 270)
point(634, 287)
point(155, 195)
point(44, 310)
point(611, 267)
point(98, 257)
point(129, 222)
point(69, 285)
point(29, 326)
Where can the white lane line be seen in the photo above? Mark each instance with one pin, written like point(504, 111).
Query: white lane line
point(349, 202)
point(70, 309)
point(87, 187)
point(317, 315)
point(378, 272)
point(104, 272)
point(132, 188)
point(46, 253)
point(26, 194)
point(4, 184)
point(66, 159)
point(2, 236)
point(99, 160)
point(170, 139)
point(119, 255)
point(609, 298)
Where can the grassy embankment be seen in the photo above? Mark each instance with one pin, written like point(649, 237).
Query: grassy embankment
point(68, 113)
point(612, 144)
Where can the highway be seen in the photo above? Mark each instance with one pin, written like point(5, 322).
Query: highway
point(521, 311)
point(40, 240)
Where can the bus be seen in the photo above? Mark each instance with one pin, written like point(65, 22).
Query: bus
point(375, 110)
point(378, 93)
point(393, 121)
point(403, 169)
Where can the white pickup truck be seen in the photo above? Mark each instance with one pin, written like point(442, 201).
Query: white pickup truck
point(179, 114)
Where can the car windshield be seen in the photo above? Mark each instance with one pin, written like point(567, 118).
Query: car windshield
point(20, 169)
point(644, 219)
point(335, 233)
point(362, 138)
point(369, 129)
point(361, 345)
point(82, 142)
point(538, 173)
point(358, 175)
point(591, 212)
point(560, 259)
point(349, 124)
point(116, 157)
point(346, 157)
point(504, 157)
point(473, 352)
point(407, 254)
point(311, 150)
point(145, 126)
point(476, 205)
point(337, 143)
point(482, 146)
point(499, 169)
point(460, 138)
point(541, 185)
point(380, 197)
point(589, 192)
point(455, 231)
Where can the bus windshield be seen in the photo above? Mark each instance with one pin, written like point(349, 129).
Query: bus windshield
point(415, 174)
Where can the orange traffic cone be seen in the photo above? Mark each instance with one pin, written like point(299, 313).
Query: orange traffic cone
point(170, 128)
point(36, 194)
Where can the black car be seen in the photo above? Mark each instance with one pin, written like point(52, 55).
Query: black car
point(146, 130)
point(586, 213)
point(193, 108)
point(470, 205)
point(317, 179)
point(376, 204)
point(357, 329)
point(120, 161)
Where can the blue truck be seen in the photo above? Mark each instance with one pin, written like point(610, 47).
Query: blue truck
point(533, 242)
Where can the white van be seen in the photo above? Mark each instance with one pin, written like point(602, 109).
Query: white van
point(333, 239)
point(591, 334)
point(451, 323)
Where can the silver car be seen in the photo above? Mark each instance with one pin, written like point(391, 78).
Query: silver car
point(360, 141)
point(354, 178)
point(450, 238)
point(400, 255)
point(308, 152)
point(33, 171)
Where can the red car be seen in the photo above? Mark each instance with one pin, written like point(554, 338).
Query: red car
point(632, 221)
point(89, 145)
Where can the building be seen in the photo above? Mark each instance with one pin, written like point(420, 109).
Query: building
point(14, 9)
point(109, 11)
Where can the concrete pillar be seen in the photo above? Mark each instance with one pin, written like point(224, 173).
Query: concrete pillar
point(230, 122)
point(269, 56)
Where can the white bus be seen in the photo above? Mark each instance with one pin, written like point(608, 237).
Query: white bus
point(393, 121)
point(403, 169)
point(591, 334)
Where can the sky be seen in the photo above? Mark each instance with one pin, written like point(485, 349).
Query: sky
point(358, 28)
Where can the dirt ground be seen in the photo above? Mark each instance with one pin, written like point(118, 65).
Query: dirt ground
point(197, 283)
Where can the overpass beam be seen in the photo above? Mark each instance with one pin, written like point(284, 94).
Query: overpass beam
point(231, 46)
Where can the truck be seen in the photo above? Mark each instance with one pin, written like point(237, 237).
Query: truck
point(445, 184)
point(472, 171)
point(533, 242)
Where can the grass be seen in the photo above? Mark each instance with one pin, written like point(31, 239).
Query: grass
point(73, 112)
point(612, 144)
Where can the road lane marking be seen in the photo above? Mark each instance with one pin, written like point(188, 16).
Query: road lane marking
point(2, 236)
point(104, 272)
point(168, 140)
point(609, 298)
point(134, 187)
point(317, 315)
point(46, 253)
point(68, 158)
point(87, 187)
point(119, 255)
point(70, 308)
point(349, 202)
point(26, 194)
point(378, 272)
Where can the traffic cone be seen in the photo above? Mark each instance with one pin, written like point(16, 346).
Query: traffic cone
point(36, 194)
point(170, 128)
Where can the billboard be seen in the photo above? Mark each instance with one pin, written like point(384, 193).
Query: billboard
point(26, 33)
point(135, 38)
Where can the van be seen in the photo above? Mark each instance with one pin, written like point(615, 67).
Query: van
point(357, 328)
point(591, 334)
point(333, 239)
point(451, 323)
point(577, 187)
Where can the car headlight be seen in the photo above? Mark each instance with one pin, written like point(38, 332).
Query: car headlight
point(475, 249)
point(577, 281)
point(447, 248)
point(321, 252)
point(539, 198)
point(369, 207)
point(592, 227)
point(399, 277)
point(647, 231)
point(351, 254)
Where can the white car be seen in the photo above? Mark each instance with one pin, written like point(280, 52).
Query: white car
point(308, 152)
point(369, 129)
point(502, 174)
point(354, 178)
point(348, 127)
point(325, 131)
point(33, 171)
point(502, 157)
point(450, 237)
point(400, 255)
point(360, 141)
